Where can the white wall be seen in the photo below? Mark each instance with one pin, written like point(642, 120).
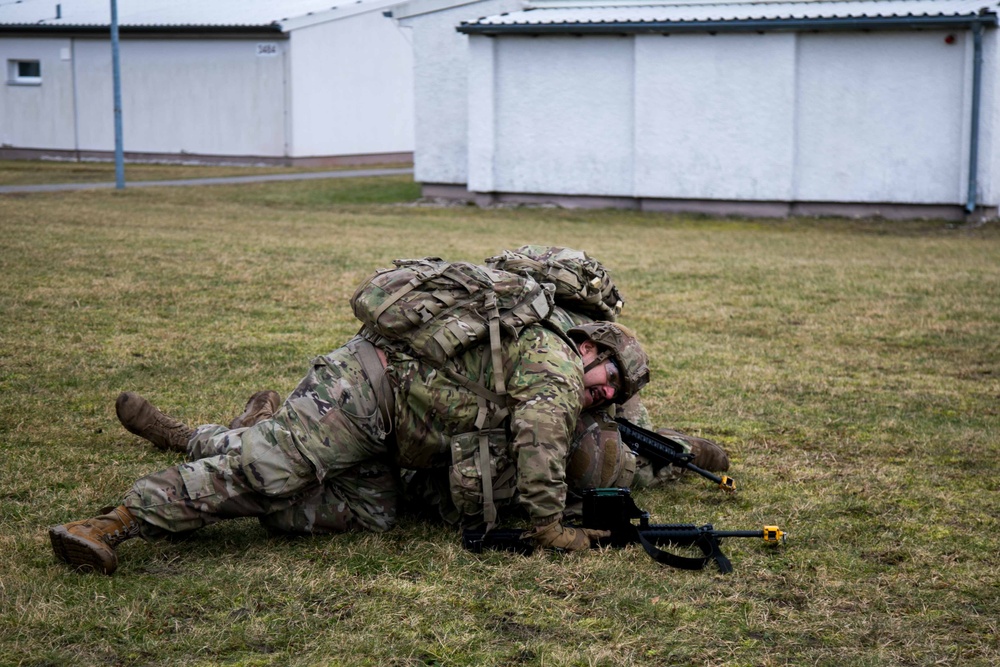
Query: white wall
point(828, 117)
point(342, 87)
point(441, 92)
point(989, 127)
point(43, 113)
point(202, 96)
point(562, 107)
point(352, 87)
point(715, 116)
point(883, 117)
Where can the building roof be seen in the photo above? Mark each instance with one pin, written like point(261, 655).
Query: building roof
point(561, 16)
point(174, 15)
point(411, 8)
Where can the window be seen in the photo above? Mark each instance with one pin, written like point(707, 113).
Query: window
point(24, 72)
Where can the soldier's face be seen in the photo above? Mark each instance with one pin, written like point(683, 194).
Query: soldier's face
point(601, 382)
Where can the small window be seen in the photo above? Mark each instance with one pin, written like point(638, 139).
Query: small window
point(25, 72)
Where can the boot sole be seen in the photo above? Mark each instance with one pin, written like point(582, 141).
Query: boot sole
point(80, 553)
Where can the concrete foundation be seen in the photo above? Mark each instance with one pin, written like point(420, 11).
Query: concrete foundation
point(750, 209)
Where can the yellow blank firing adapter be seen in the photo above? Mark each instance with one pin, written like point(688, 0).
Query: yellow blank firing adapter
point(727, 484)
point(773, 534)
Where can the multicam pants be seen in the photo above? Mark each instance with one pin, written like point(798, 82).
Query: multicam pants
point(319, 465)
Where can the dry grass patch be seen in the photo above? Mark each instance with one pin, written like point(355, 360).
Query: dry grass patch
point(32, 172)
point(852, 369)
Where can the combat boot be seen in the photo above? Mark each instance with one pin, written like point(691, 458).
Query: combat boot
point(89, 545)
point(261, 406)
point(708, 455)
point(140, 417)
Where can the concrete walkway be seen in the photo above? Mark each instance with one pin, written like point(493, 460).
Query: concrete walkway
point(222, 180)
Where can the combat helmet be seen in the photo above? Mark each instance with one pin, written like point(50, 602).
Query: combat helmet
point(620, 345)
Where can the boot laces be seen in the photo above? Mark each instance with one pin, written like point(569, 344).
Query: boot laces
point(128, 528)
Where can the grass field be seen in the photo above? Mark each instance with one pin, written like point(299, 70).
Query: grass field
point(851, 369)
point(36, 172)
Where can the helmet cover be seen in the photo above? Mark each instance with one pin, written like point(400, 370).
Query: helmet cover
point(624, 349)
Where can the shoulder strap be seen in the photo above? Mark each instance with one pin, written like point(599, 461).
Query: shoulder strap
point(366, 355)
point(554, 328)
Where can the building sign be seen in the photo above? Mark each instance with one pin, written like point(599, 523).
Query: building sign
point(267, 49)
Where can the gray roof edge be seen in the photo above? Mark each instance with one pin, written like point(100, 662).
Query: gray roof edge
point(335, 14)
point(740, 25)
point(405, 10)
point(263, 25)
point(271, 29)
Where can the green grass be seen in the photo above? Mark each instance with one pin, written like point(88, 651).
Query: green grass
point(850, 368)
point(25, 172)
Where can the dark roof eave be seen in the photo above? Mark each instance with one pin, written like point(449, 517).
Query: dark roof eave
point(754, 25)
point(270, 31)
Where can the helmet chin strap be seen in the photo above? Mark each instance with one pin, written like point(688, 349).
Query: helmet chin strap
point(601, 358)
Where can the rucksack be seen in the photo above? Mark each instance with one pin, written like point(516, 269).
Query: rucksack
point(436, 310)
point(439, 309)
point(582, 284)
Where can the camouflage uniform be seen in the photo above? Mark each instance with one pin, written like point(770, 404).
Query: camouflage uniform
point(544, 381)
point(330, 426)
point(322, 462)
point(593, 443)
point(596, 455)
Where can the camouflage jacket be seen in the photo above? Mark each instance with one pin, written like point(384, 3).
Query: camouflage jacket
point(544, 380)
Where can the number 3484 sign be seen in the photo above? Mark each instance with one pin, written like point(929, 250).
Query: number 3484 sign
point(267, 49)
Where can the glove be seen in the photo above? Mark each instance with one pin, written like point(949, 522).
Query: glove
point(554, 535)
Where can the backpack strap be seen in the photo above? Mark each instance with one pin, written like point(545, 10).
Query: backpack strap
point(489, 505)
point(557, 330)
point(495, 352)
point(493, 410)
point(366, 355)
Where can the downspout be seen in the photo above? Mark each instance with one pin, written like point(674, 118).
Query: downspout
point(286, 85)
point(977, 84)
point(76, 98)
point(116, 76)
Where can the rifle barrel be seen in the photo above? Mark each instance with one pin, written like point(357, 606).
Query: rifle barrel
point(706, 474)
point(681, 534)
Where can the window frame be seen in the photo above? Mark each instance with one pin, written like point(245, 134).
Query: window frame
point(16, 78)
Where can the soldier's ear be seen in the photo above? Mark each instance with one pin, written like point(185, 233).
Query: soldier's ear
point(588, 347)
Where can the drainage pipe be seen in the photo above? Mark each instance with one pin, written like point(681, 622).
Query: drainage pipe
point(116, 72)
point(977, 84)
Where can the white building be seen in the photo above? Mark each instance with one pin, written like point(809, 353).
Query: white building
point(854, 107)
point(271, 81)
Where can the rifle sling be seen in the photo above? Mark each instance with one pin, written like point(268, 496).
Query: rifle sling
point(708, 544)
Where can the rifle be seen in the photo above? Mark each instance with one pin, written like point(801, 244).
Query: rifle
point(614, 510)
point(663, 450)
